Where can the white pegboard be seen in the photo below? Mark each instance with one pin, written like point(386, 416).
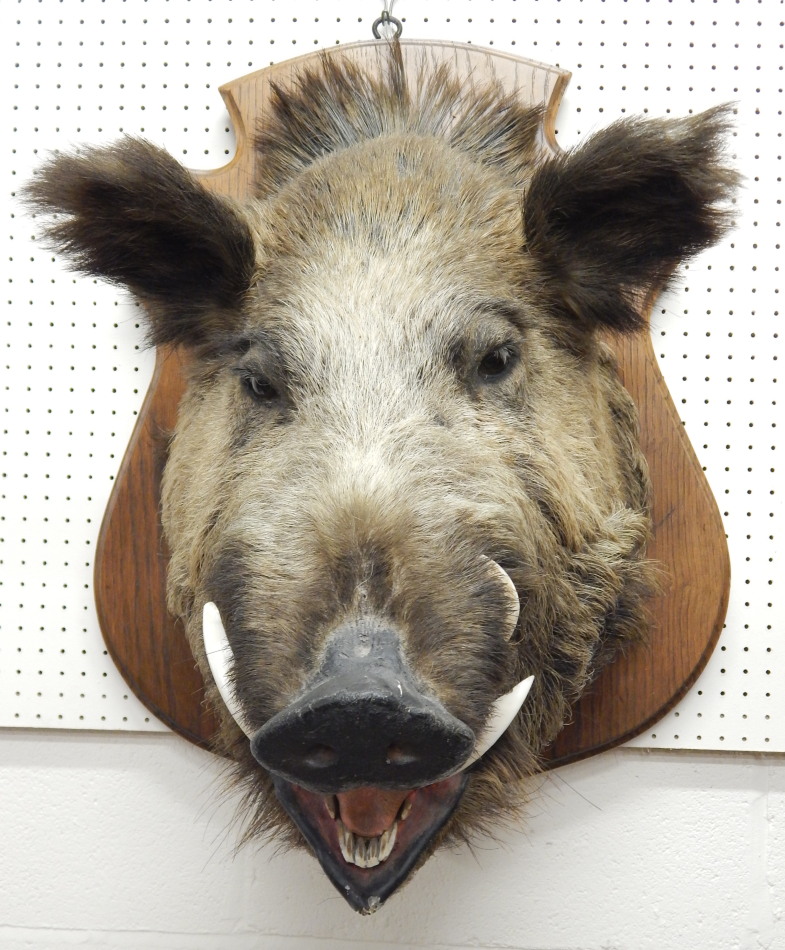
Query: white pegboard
point(74, 370)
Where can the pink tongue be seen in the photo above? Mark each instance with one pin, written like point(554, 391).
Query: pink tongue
point(370, 811)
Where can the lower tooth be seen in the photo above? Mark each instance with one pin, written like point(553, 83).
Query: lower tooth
point(387, 841)
point(371, 852)
point(346, 842)
point(366, 852)
point(363, 852)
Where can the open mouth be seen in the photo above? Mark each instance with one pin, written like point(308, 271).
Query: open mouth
point(368, 840)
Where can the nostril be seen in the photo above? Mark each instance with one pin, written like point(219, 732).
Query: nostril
point(320, 757)
point(399, 755)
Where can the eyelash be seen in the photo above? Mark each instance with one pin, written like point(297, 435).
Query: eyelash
point(497, 363)
point(259, 387)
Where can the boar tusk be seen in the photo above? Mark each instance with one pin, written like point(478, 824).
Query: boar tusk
point(220, 658)
point(502, 713)
point(513, 602)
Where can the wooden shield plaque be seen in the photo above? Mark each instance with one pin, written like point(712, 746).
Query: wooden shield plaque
point(130, 577)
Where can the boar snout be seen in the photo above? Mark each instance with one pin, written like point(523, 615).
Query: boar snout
point(363, 720)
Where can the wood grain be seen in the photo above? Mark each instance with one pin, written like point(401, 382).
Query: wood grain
point(150, 648)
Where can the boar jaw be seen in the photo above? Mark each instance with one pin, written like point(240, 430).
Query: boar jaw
point(424, 813)
point(367, 840)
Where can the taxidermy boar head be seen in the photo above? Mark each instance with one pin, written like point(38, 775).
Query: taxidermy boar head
point(405, 479)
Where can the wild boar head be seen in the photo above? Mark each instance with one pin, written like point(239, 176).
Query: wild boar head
point(405, 478)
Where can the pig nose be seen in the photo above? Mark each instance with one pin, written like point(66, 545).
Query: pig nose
point(364, 721)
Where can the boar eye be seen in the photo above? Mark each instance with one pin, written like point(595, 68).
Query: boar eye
point(497, 362)
point(259, 387)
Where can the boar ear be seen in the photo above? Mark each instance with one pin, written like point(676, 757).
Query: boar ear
point(608, 222)
point(133, 215)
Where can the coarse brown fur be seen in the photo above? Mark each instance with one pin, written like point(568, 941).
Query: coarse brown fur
point(397, 370)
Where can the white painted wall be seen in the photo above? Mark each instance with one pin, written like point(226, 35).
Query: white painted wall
point(116, 841)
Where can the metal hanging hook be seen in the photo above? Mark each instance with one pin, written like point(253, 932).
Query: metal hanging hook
point(387, 19)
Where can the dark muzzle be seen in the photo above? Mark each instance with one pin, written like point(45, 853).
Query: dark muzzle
point(363, 721)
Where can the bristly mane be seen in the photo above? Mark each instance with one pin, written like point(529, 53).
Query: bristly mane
point(338, 105)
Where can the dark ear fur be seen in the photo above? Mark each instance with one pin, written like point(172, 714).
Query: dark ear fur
point(609, 221)
point(132, 214)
